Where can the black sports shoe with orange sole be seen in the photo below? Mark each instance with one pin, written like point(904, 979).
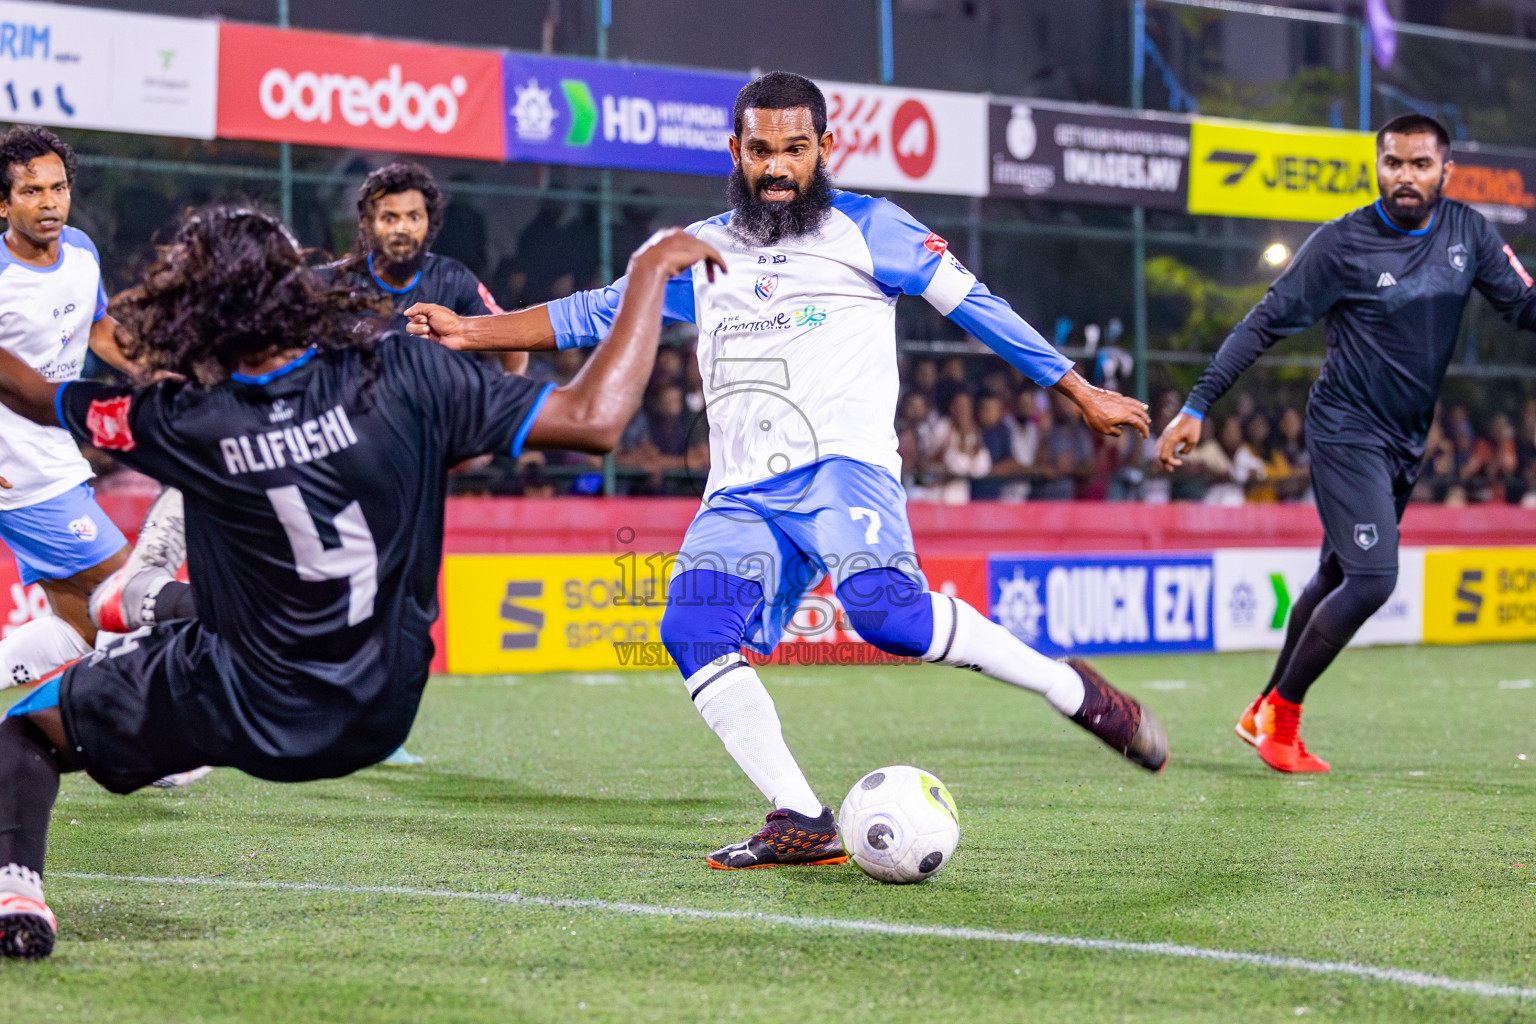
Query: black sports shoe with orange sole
point(1120, 720)
point(786, 838)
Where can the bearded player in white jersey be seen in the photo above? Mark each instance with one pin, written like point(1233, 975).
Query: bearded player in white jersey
point(797, 350)
point(52, 308)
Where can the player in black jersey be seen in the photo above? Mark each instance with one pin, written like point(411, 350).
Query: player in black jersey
point(1389, 281)
point(399, 213)
point(313, 453)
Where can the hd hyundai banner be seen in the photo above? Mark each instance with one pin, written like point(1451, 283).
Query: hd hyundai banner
point(611, 115)
point(1103, 604)
point(85, 68)
point(349, 91)
point(907, 140)
point(1072, 155)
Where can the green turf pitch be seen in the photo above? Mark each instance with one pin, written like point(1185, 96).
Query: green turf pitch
point(1417, 852)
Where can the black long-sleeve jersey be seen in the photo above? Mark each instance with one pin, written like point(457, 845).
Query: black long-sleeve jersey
point(314, 499)
point(441, 279)
point(1392, 302)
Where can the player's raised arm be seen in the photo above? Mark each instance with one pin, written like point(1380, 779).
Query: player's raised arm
point(1298, 299)
point(591, 412)
point(907, 256)
point(1503, 279)
point(524, 330)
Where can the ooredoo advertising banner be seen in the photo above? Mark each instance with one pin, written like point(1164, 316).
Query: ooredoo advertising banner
point(281, 85)
point(119, 72)
point(907, 140)
point(609, 115)
point(1279, 173)
point(1103, 604)
point(1080, 156)
point(1256, 587)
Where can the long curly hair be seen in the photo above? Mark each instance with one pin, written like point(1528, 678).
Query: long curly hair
point(231, 287)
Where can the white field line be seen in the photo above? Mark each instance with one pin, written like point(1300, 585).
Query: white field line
point(1413, 979)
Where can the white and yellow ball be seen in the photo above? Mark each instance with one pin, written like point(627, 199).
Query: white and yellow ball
point(899, 824)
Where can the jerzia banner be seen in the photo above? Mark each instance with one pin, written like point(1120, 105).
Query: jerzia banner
point(1075, 155)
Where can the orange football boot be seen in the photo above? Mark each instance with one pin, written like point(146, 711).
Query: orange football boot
point(1280, 744)
point(1247, 727)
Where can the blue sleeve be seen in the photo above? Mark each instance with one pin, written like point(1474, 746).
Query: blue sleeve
point(990, 318)
point(908, 259)
point(78, 238)
point(585, 318)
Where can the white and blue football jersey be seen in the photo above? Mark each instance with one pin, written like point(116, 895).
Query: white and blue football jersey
point(46, 315)
point(797, 343)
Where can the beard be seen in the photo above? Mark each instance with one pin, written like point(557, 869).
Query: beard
point(396, 266)
point(1419, 213)
point(759, 221)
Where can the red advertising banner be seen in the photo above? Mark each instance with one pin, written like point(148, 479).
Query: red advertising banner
point(279, 85)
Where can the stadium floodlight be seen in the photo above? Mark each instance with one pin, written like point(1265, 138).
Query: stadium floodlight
point(1276, 254)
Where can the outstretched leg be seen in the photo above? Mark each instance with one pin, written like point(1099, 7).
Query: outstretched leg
point(707, 616)
point(890, 610)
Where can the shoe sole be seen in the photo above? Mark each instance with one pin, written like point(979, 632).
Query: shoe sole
point(753, 867)
point(1150, 733)
point(1294, 771)
point(26, 937)
point(1250, 738)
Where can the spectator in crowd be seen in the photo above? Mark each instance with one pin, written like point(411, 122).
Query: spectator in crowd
point(1066, 452)
point(925, 378)
point(991, 420)
point(1491, 468)
point(1273, 469)
point(1293, 445)
point(963, 456)
point(917, 413)
point(657, 442)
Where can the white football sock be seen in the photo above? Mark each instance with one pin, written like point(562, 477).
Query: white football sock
point(37, 648)
point(21, 880)
point(964, 637)
point(733, 701)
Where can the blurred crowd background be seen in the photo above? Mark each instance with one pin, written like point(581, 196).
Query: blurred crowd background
point(1090, 277)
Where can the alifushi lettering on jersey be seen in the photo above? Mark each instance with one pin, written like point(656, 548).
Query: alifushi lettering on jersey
point(313, 439)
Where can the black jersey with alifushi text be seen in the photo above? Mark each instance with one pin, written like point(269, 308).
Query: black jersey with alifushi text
point(1391, 301)
point(314, 499)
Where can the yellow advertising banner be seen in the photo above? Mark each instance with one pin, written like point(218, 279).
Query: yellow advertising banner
point(1308, 174)
point(545, 613)
point(1479, 595)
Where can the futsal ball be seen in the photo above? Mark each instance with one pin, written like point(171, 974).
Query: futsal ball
point(899, 824)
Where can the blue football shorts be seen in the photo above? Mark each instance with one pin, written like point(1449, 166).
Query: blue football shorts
point(57, 538)
point(836, 517)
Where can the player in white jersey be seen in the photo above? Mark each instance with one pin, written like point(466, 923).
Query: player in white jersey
point(797, 351)
point(52, 308)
